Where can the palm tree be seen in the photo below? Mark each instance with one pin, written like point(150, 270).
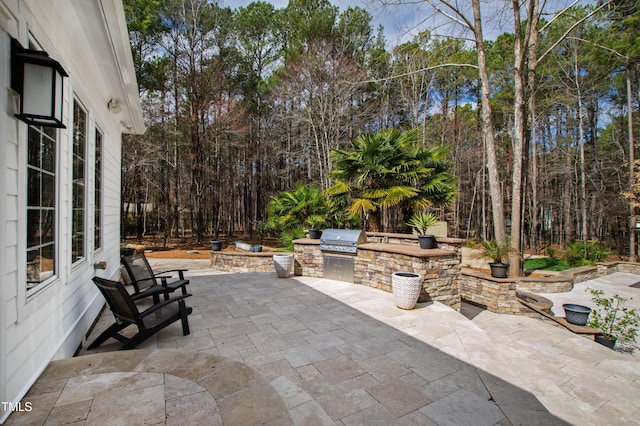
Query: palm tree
point(290, 209)
point(390, 168)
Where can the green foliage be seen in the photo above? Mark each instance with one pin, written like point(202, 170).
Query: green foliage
point(290, 209)
point(309, 20)
point(315, 221)
point(287, 236)
point(580, 253)
point(612, 318)
point(421, 221)
point(263, 229)
point(496, 250)
point(546, 264)
point(540, 263)
point(390, 168)
point(551, 252)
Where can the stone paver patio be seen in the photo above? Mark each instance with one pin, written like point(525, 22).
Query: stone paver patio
point(302, 351)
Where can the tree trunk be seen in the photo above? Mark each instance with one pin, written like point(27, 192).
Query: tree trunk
point(632, 147)
point(487, 129)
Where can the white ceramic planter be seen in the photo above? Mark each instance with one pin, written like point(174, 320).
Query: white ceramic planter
point(406, 288)
point(283, 264)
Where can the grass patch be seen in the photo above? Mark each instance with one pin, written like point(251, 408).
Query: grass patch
point(546, 264)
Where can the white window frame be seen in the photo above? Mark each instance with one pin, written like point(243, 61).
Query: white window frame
point(85, 204)
point(98, 190)
point(38, 288)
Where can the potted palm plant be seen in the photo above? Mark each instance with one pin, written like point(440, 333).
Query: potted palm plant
point(497, 251)
point(614, 321)
point(315, 222)
point(421, 222)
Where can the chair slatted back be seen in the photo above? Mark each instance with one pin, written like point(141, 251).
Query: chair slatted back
point(118, 299)
point(139, 271)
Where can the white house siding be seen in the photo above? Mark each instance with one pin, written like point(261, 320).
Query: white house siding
point(89, 39)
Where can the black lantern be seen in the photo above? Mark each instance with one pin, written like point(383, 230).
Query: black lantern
point(39, 80)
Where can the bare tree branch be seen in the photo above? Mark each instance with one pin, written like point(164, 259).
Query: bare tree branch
point(575, 25)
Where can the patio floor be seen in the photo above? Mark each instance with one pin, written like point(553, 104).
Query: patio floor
point(306, 351)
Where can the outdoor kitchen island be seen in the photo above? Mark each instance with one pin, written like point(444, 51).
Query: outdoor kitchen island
point(382, 254)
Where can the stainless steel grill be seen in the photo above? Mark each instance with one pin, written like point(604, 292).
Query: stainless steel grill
point(342, 240)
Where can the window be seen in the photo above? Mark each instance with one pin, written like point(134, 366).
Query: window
point(41, 205)
point(97, 210)
point(78, 185)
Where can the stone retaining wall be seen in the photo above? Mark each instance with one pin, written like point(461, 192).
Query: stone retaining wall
point(611, 267)
point(229, 261)
point(494, 294)
point(499, 294)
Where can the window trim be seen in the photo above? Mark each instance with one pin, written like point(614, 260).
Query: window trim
point(98, 191)
point(31, 293)
point(85, 253)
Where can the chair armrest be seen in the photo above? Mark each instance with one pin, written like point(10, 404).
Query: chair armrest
point(165, 283)
point(162, 304)
point(179, 271)
point(151, 291)
point(144, 280)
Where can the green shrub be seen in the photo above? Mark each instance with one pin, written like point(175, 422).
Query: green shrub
point(421, 222)
point(497, 251)
point(287, 236)
point(612, 318)
point(581, 253)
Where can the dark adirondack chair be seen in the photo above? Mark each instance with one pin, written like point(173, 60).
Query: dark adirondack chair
point(149, 321)
point(145, 281)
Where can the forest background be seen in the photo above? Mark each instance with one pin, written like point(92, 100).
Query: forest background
point(242, 104)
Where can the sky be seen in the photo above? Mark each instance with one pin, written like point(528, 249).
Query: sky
point(397, 21)
point(401, 23)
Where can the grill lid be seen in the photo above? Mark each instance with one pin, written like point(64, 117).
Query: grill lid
point(342, 240)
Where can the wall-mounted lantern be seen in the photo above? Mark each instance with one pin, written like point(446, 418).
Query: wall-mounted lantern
point(39, 80)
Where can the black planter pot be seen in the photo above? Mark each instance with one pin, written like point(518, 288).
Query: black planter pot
point(427, 241)
point(256, 249)
point(315, 234)
point(216, 245)
point(576, 314)
point(605, 341)
point(499, 270)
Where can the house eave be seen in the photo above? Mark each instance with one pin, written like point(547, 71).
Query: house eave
point(117, 70)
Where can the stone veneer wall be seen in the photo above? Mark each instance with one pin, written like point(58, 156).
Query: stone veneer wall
point(309, 260)
point(440, 269)
point(375, 262)
point(611, 267)
point(499, 294)
point(229, 261)
point(494, 294)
